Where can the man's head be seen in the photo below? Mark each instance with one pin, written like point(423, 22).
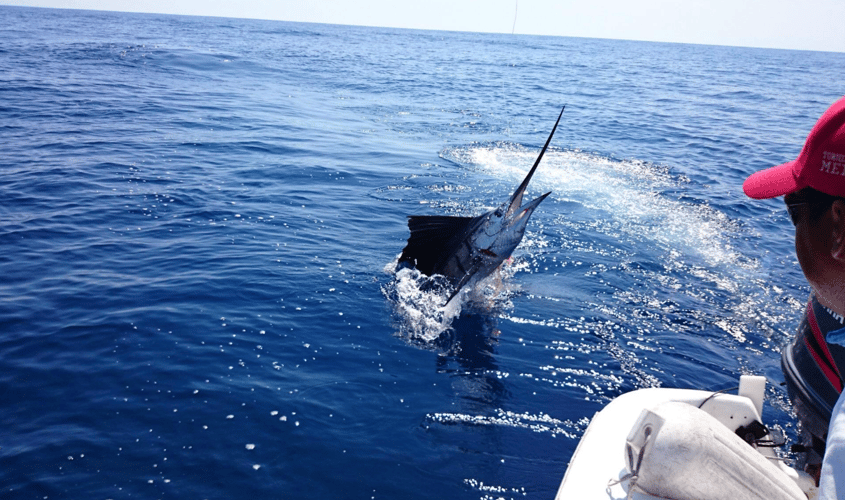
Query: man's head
point(813, 186)
point(821, 164)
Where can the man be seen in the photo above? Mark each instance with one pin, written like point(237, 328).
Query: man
point(813, 186)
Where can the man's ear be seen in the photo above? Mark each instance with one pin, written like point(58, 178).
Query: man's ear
point(837, 216)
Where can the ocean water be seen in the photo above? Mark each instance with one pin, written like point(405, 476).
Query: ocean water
point(200, 219)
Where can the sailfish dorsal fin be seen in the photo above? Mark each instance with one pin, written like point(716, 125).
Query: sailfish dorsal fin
point(433, 240)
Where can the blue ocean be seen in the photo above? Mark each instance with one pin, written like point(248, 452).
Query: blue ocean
point(200, 220)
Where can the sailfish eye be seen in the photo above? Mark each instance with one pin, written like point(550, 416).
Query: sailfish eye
point(498, 212)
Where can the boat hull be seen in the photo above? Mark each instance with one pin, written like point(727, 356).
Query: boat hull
point(598, 467)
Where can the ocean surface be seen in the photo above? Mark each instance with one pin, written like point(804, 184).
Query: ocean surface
point(200, 220)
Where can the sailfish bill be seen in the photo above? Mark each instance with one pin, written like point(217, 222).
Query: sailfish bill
point(467, 249)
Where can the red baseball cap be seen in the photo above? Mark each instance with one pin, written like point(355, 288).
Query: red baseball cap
point(821, 164)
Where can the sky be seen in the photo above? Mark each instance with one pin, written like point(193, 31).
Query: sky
point(782, 24)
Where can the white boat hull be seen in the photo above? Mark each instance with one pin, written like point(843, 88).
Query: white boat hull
point(598, 467)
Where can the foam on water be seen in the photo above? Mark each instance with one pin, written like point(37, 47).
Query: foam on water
point(633, 196)
point(421, 309)
point(419, 305)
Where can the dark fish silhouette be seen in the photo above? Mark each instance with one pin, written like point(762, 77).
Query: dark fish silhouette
point(467, 249)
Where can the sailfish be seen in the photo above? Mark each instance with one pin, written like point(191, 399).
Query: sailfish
point(467, 249)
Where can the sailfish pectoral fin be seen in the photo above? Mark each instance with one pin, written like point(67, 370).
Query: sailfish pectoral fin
point(464, 280)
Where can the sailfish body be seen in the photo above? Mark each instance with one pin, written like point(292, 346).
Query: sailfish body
point(467, 249)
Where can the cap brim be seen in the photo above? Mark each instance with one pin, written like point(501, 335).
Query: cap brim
point(772, 182)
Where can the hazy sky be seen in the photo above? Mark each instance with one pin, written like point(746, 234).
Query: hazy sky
point(788, 24)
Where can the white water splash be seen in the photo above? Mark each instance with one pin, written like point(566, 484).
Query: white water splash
point(419, 301)
point(419, 307)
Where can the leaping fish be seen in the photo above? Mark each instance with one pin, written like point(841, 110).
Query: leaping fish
point(467, 249)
